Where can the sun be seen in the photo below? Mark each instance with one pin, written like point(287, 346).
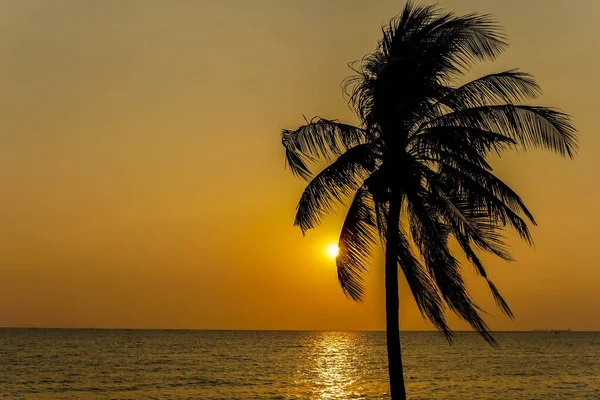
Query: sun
point(332, 250)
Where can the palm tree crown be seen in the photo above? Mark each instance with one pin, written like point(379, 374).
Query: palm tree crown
point(415, 170)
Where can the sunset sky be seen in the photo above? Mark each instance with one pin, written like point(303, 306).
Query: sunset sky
point(142, 181)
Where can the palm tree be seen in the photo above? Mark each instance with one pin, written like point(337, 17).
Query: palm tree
point(415, 170)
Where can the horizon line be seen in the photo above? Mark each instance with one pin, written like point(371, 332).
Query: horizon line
point(287, 330)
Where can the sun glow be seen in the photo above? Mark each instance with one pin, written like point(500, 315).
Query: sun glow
point(332, 250)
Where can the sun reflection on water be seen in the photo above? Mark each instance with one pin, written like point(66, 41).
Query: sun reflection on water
point(332, 365)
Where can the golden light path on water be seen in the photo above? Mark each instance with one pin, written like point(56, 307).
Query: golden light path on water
point(336, 365)
point(332, 365)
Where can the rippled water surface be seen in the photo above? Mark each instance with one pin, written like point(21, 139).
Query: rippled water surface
point(119, 364)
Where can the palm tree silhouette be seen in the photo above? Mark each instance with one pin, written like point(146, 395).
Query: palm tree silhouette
point(415, 170)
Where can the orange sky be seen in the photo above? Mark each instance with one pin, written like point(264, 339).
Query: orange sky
point(142, 181)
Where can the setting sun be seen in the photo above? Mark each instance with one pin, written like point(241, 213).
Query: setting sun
point(332, 250)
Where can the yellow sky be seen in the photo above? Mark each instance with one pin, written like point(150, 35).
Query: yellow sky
point(142, 181)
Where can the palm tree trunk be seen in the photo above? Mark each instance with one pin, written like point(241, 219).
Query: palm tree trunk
point(392, 303)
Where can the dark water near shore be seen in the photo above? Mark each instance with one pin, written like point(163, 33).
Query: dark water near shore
point(137, 364)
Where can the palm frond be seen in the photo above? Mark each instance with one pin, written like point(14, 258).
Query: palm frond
point(297, 162)
point(463, 241)
point(530, 126)
point(457, 167)
point(333, 185)
point(423, 288)
point(468, 226)
point(356, 241)
point(503, 87)
point(421, 49)
point(479, 196)
point(446, 41)
point(382, 213)
point(319, 138)
point(473, 224)
point(431, 237)
point(459, 140)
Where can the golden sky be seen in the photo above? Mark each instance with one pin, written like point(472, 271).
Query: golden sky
point(142, 181)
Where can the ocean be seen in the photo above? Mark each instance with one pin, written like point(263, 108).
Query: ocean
point(262, 365)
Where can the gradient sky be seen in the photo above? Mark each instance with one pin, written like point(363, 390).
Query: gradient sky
point(142, 181)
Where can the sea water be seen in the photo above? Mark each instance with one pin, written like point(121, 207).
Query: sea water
point(210, 365)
